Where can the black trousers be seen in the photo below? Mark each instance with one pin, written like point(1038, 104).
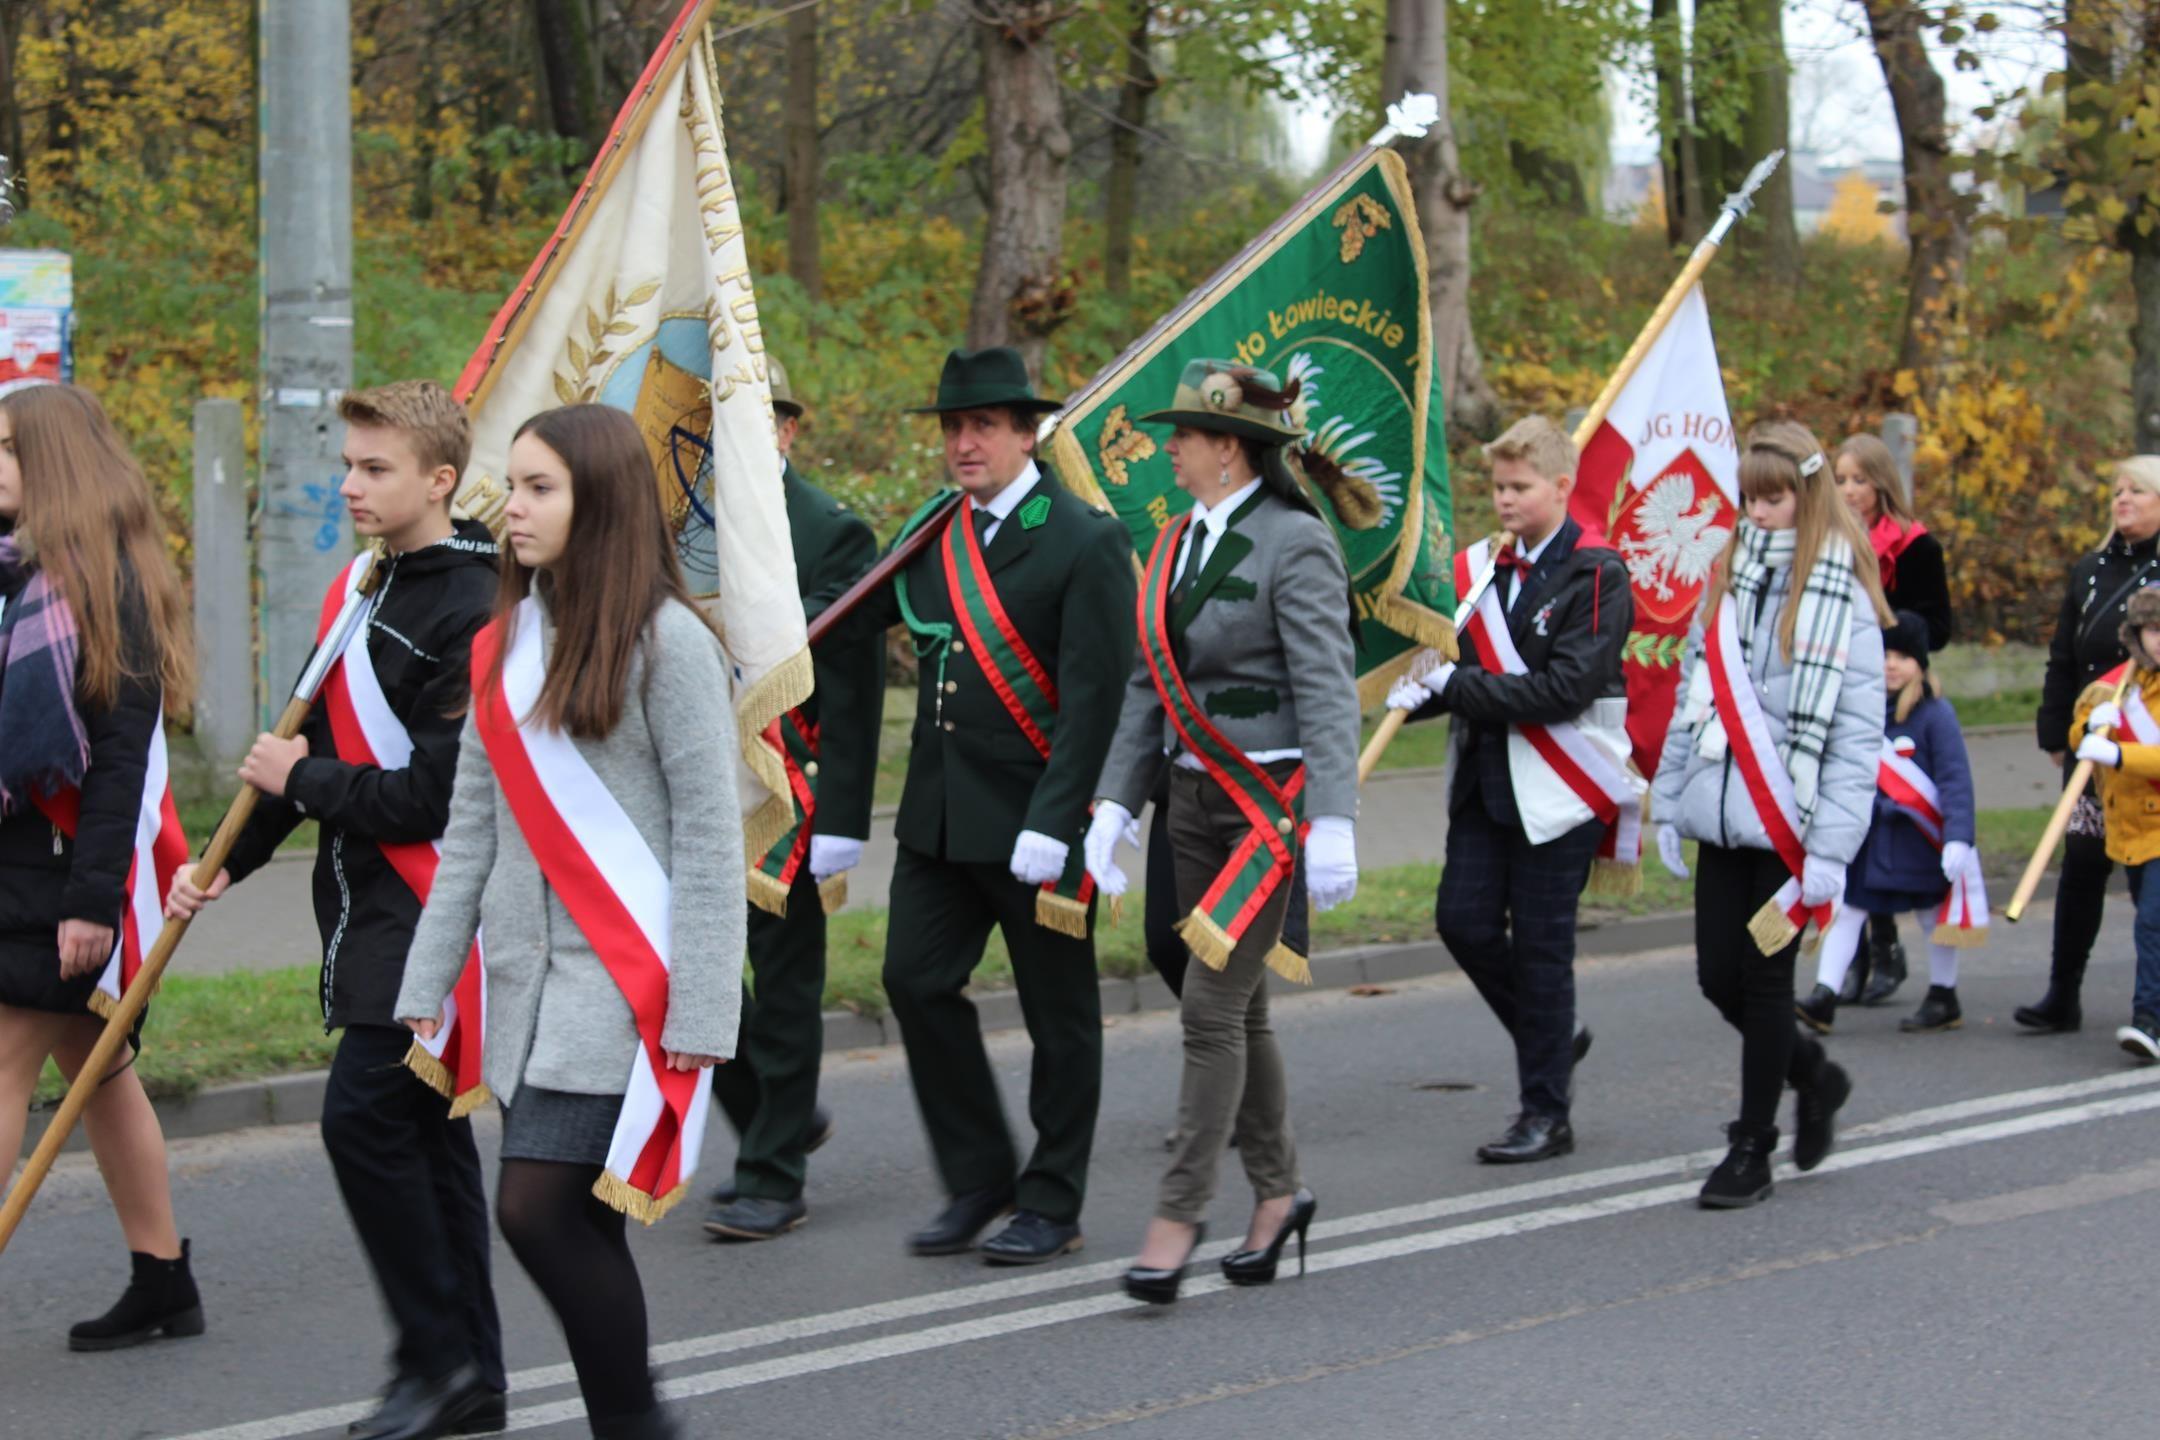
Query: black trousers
point(1753, 991)
point(411, 1181)
point(942, 912)
point(1506, 912)
point(1165, 951)
point(2080, 900)
point(769, 1090)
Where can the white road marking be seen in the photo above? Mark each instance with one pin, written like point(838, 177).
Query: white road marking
point(1670, 1169)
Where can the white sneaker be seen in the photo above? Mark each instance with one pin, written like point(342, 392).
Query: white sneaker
point(2140, 1042)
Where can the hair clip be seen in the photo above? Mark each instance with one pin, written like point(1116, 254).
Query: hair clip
point(1812, 464)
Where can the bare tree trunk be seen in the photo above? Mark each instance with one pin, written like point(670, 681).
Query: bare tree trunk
point(11, 116)
point(1938, 236)
point(1681, 180)
point(1021, 294)
point(1121, 193)
point(1415, 59)
point(1769, 127)
point(570, 70)
point(800, 124)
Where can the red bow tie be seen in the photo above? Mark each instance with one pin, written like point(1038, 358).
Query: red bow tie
point(1511, 559)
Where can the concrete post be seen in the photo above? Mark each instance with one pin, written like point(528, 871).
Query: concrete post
point(307, 323)
point(225, 710)
point(1902, 434)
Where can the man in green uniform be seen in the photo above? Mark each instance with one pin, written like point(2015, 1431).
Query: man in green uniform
point(1021, 614)
point(830, 743)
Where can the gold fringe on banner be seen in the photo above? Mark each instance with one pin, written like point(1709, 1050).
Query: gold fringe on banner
point(619, 1194)
point(832, 892)
point(437, 1077)
point(1614, 877)
point(1209, 942)
point(1772, 929)
point(103, 1005)
point(1958, 937)
point(781, 689)
point(767, 893)
point(1287, 963)
point(470, 1101)
point(1061, 913)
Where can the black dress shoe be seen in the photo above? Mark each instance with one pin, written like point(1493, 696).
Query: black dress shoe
point(1531, 1137)
point(1817, 1111)
point(417, 1409)
point(822, 1126)
point(958, 1224)
point(1031, 1239)
point(490, 1418)
point(1257, 1267)
point(2058, 1013)
point(1160, 1287)
point(755, 1218)
point(1742, 1178)
point(1819, 1011)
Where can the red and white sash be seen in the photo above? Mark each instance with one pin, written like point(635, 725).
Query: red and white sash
point(616, 890)
point(1962, 918)
point(160, 850)
point(2137, 716)
point(1562, 775)
point(1769, 788)
point(367, 732)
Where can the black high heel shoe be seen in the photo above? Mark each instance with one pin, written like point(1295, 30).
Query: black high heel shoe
point(1257, 1267)
point(1160, 1287)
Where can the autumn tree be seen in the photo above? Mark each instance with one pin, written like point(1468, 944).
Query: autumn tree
point(800, 196)
point(1121, 190)
point(1937, 218)
point(1021, 292)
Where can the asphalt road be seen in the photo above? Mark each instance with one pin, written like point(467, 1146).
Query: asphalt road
point(1971, 1262)
point(270, 921)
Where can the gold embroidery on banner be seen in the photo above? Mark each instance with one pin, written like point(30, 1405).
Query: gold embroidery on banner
point(1119, 444)
point(605, 327)
point(1360, 218)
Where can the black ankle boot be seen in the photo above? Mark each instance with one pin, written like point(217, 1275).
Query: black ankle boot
point(1856, 978)
point(1886, 954)
point(2058, 1012)
point(1742, 1178)
point(160, 1299)
point(1819, 1011)
point(1939, 1011)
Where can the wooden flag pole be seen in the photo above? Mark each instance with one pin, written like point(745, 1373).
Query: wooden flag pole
point(2059, 822)
point(139, 990)
point(1736, 205)
point(1393, 721)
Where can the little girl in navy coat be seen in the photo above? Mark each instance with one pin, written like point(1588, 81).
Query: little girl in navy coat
point(1900, 867)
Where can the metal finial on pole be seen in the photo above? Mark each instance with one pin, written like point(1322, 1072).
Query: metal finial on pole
point(1410, 116)
point(1742, 200)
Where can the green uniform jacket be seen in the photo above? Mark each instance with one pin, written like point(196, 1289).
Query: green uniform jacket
point(833, 545)
point(974, 781)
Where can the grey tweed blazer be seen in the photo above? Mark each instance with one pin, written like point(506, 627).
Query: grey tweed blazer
point(1267, 656)
point(555, 1017)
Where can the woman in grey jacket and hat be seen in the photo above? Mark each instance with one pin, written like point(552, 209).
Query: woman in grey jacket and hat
point(1808, 621)
point(636, 680)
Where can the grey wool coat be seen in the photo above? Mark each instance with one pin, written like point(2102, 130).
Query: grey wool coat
point(1267, 655)
point(1708, 800)
point(555, 1017)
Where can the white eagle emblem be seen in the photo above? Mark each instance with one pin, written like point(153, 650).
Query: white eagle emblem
point(1679, 537)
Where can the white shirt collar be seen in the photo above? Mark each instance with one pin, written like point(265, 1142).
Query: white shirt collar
point(1008, 499)
point(1531, 555)
point(1217, 516)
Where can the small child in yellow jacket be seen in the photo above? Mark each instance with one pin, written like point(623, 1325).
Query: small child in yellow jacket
point(2129, 773)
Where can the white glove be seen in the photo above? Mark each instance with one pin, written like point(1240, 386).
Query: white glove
point(2107, 715)
point(2101, 751)
point(1112, 823)
point(1427, 676)
point(1406, 694)
point(1037, 859)
point(1958, 858)
point(1331, 861)
point(832, 855)
point(1668, 851)
point(1822, 882)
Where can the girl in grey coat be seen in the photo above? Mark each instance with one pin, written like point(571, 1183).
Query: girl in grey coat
point(637, 679)
point(1808, 620)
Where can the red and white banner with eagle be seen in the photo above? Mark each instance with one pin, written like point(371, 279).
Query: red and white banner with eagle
point(1662, 477)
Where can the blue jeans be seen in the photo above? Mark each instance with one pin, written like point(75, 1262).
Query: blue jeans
point(2146, 998)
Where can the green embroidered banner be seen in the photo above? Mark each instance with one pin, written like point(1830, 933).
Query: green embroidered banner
point(1333, 297)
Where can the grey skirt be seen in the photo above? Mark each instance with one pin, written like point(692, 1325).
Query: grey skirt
point(561, 1126)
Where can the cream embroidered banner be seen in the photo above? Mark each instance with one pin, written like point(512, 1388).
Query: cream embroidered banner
point(643, 300)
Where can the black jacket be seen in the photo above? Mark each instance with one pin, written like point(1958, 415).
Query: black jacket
point(419, 637)
point(832, 546)
point(44, 876)
point(1921, 585)
point(2087, 641)
point(1570, 623)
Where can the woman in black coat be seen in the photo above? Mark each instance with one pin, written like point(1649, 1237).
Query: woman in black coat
point(2086, 645)
point(94, 642)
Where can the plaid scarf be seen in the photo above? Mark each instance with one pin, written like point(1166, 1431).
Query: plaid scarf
point(43, 744)
point(1822, 632)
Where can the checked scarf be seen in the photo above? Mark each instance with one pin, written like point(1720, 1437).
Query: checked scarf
point(43, 744)
point(1821, 634)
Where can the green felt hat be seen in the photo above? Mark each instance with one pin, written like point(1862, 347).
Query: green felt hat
point(995, 378)
point(783, 395)
point(1231, 399)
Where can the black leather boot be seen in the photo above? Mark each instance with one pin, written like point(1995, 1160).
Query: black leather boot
point(1742, 1178)
point(1886, 954)
point(2058, 1012)
point(1819, 1011)
point(1939, 1011)
point(160, 1299)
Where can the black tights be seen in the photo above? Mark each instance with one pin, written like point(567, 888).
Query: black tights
point(574, 1248)
point(1753, 991)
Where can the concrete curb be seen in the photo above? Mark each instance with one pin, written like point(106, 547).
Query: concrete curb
point(297, 1099)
